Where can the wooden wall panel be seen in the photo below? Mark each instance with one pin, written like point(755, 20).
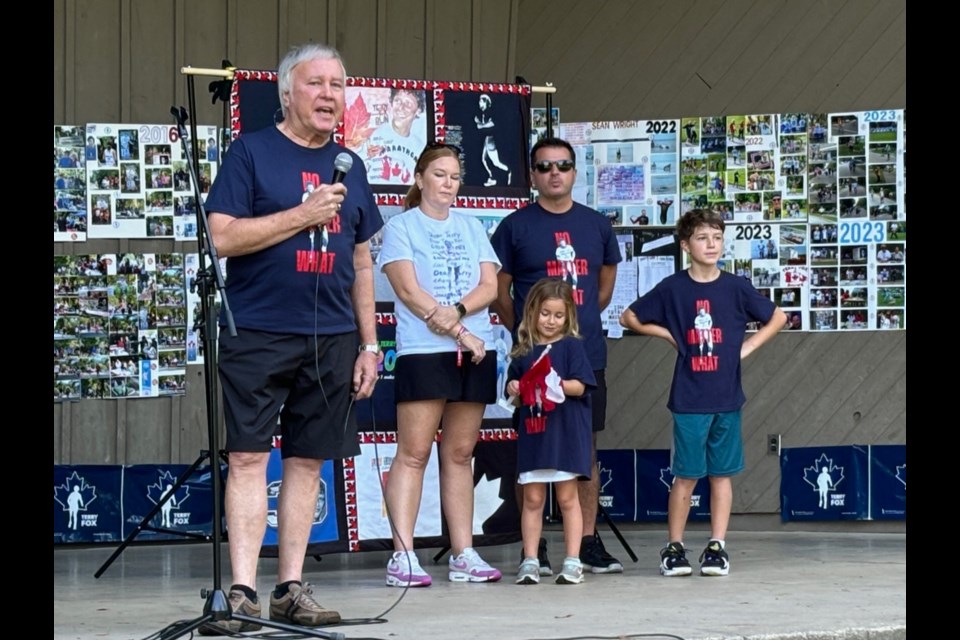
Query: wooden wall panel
point(400, 28)
point(492, 22)
point(449, 32)
point(303, 21)
point(624, 61)
point(148, 62)
point(96, 61)
point(356, 35)
point(60, 57)
point(93, 433)
point(202, 36)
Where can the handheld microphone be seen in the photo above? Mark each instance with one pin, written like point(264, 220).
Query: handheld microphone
point(341, 166)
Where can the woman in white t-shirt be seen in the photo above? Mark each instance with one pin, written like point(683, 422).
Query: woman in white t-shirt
point(443, 271)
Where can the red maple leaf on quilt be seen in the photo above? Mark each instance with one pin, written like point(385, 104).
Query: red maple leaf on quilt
point(356, 124)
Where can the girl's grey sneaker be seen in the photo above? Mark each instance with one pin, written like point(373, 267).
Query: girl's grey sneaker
point(572, 572)
point(529, 571)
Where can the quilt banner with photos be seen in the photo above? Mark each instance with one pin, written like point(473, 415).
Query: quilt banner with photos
point(815, 206)
point(119, 326)
point(388, 122)
point(138, 182)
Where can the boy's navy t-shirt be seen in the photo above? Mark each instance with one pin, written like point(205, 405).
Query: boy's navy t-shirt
point(708, 322)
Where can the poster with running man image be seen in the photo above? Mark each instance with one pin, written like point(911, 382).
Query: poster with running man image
point(491, 127)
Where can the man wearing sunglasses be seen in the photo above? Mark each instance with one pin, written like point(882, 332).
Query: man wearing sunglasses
point(557, 237)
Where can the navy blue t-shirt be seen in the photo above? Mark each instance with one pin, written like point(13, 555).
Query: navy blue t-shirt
point(567, 441)
point(533, 243)
point(708, 322)
point(282, 287)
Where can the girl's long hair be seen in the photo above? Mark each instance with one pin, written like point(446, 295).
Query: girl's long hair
point(543, 290)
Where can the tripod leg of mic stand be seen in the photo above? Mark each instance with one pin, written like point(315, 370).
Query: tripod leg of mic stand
point(436, 558)
point(616, 532)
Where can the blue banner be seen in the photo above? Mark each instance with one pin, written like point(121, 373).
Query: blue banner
point(618, 483)
point(654, 480)
point(823, 483)
point(190, 509)
point(324, 527)
point(888, 482)
point(86, 503)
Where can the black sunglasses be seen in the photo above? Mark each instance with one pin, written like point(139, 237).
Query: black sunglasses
point(443, 145)
point(544, 166)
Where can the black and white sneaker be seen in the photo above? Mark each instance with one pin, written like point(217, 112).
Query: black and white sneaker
point(673, 561)
point(714, 560)
point(593, 555)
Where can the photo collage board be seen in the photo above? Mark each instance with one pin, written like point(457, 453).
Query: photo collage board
point(138, 182)
point(815, 204)
point(119, 326)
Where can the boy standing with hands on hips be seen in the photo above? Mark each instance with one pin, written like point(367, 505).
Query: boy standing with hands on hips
point(706, 394)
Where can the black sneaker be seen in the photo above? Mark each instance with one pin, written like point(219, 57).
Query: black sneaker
point(545, 568)
point(714, 560)
point(593, 555)
point(673, 561)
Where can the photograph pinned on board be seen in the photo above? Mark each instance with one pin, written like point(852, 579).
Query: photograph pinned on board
point(891, 296)
point(885, 152)
point(890, 319)
point(713, 134)
point(897, 230)
point(772, 205)
point(844, 125)
point(766, 273)
point(853, 297)
point(853, 319)
point(824, 277)
point(824, 298)
point(824, 320)
point(793, 123)
point(793, 255)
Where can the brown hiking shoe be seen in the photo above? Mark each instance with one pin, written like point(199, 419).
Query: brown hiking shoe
point(299, 607)
point(239, 603)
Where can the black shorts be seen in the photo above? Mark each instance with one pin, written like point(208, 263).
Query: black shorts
point(265, 374)
point(598, 401)
point(436, 376)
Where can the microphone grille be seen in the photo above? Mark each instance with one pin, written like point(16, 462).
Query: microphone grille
point(343, 162)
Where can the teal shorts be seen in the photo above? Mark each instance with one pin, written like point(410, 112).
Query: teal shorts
point(706, 444)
